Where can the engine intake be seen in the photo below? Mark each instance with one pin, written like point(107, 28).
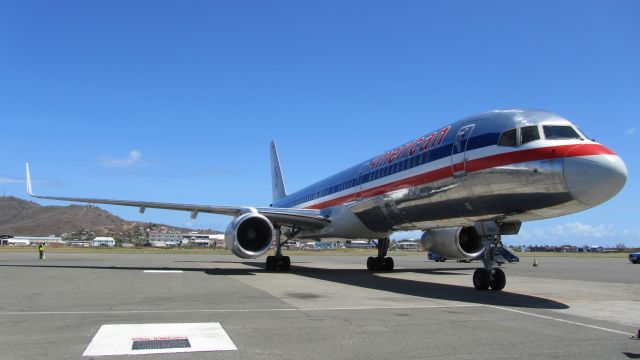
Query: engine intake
point(454, 242)
point(249, 235)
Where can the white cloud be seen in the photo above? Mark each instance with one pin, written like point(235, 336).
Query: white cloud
point(135, 157)
point(630, 131)
point(10, 180)
point(577, 228)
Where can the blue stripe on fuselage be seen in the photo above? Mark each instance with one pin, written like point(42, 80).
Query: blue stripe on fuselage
point(485, 133)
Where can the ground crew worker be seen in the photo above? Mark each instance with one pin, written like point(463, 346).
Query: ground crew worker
point(41, 249)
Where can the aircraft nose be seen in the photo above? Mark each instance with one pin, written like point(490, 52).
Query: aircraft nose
point(594, 179)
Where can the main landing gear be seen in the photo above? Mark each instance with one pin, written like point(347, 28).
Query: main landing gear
point(279, 262)
point(381, 262)
point(489, 276)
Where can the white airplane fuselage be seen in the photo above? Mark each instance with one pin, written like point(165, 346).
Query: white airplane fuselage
point(504, 166)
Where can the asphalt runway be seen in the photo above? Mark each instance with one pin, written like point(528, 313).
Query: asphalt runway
point(328, 307)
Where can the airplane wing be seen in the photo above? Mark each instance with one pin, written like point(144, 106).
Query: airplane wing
point(283, 216)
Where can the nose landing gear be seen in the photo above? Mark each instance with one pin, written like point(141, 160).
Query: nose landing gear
point(484, 279)
point(489, 277)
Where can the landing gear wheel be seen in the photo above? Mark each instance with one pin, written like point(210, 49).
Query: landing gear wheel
point(271, 263)
point(388, 264)
point(380, 264)
point(481, 279)
point(498, 280)
point(285, 263)
point(370, 263)
point(278, 263)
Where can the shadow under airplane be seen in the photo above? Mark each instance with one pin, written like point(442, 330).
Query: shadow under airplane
point(364, 279)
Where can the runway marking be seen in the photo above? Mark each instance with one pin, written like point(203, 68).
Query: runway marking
point(558, 319)
point(181, 311)
point(134, 339)
point(164, 271)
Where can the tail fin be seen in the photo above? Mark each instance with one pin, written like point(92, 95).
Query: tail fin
point(277, 183)
point(29, 190)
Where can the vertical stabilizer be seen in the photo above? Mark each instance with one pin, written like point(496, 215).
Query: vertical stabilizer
point(29, 190)
point(277, 183)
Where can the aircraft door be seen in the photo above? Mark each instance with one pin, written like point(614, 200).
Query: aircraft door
point(459, 150)
point(359, 181)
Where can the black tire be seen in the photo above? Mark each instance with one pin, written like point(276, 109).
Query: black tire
point(481, 279)
point(371, 263)
point(271, 263)
point(498, 280)
point(388, 264)
point(286, 264)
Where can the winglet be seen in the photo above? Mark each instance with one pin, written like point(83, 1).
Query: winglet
point(277, 182)
point(29, 190)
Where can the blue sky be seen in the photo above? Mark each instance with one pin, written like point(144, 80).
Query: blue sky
point(178, 100)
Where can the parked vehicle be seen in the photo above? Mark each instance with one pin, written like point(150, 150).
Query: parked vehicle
point(634, 258)
point(504, 256)
point(509, 256)
point(435, 257)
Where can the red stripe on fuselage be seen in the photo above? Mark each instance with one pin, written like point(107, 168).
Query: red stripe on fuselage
point(536, 154)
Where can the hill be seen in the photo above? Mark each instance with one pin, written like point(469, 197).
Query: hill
point(22, 217)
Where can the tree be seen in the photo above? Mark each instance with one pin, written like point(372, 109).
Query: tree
point(621, 247)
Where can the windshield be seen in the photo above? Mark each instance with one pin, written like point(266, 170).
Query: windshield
point(508, 138)
point(529, 133)
point(557, 132)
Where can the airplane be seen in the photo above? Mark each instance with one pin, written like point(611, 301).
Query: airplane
point(465, 185)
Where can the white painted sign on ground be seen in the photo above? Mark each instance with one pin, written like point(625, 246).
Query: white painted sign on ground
point(131, 339)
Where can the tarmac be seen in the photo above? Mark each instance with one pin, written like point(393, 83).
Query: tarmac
point(327, 307)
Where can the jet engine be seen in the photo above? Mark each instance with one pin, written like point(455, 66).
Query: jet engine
point(249, 235)
point(453, 242)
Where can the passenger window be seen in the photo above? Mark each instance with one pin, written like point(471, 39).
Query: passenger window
point(508, 138)
point(555, 132)
point(528, 134)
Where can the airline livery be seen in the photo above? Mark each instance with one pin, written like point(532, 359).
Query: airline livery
point(464, 185)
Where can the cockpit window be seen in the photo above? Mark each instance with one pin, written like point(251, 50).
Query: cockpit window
point(584, 136)
point(529, 133)
point(508, 138)
point(557, 132)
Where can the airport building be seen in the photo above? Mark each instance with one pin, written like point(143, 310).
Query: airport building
point(79, 243)
point(408, 245)
point(359, 244)
point(162, 239)
point(32, 240)
point(103, 241)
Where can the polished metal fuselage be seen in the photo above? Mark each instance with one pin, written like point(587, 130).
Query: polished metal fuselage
point(518, 189)
point(519, 192)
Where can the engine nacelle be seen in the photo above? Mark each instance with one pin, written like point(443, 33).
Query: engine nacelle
point(249, 235)
point(454, 242)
